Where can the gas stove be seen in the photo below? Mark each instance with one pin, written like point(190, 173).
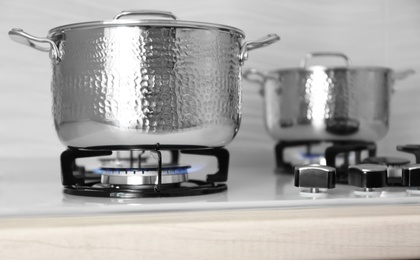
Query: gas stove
point(34, 187)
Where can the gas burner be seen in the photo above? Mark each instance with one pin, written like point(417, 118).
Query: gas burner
point(337, 154)
point(160, 180)
point(143, 176)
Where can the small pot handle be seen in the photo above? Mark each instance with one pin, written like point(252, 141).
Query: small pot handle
point(254, 75)
point(400, 75)
point(145, 12)
point(403, 74)
point(251, 45)
point(19, 36)
point(308, 56)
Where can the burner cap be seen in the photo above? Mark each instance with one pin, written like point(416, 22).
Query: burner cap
point(144, 176)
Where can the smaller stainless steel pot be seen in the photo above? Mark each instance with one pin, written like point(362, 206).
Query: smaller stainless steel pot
point(327, 103)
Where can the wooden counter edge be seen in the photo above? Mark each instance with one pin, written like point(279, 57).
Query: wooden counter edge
point(380, 232)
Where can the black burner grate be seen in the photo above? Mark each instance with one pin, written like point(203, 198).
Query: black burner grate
point(78, 182)
point(330, 154)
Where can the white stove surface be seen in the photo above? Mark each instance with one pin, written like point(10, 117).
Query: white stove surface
point(32, 187)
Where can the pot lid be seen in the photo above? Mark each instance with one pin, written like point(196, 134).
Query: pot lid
point(171, 22)
point(304, 67)
point(317, 68)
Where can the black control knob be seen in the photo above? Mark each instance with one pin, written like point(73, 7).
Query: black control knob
point(315, 177)
point(367, 176)
point(394, 168)
point(411, 178)
point(411, 175)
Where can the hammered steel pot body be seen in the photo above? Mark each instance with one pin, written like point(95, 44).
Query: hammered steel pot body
point(145, 82)
point(328, 104)
point(138, 85)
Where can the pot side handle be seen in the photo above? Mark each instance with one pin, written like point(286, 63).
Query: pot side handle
point(403, 74)
point(311, 55)
point(251, 45)
point(19, 36)
point(400, 75)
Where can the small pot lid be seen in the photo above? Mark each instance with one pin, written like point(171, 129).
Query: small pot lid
point(171, 22)
point(347, 67)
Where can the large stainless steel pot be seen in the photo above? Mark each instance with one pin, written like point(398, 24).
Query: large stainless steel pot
point(327, 103)
point(141, 82)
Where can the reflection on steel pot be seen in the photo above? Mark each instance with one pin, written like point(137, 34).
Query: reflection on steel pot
point(327, 103)
point(141, 82)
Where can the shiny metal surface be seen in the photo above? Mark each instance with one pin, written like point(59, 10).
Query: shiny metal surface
point(144, 177)
point(251, 45)
point(139, 84)
point(410, 175)
point(328, 104)
point(136, 85)
point(315, 177)
point(116, 22)
point(305, 60)
point(321, 103)
point(18, 35)
point(367, 176)
point(145, 12)
point(133, 180)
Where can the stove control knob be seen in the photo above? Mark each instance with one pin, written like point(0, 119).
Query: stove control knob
point(314, 177)
point(411, 178)
point(394, 168)
point(367, 176)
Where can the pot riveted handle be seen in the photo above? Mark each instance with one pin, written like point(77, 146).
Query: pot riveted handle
point(145, 12)
point(251, 45)
point(400, 75)
point(19, 36)
point(403, 74)
point(308, 56)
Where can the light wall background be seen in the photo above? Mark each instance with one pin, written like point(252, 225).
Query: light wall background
point(371, 32)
